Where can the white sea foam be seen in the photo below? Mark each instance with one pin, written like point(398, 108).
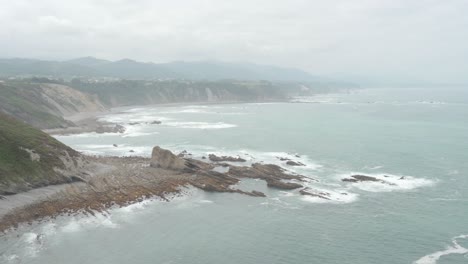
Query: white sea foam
point(199, 125)
point(187, 111)
point(277, 202)
point(32, 244)
point(253, 156)
point(120, 150)
point(388, 182)
point(428, 102)
point(288, 194)
point(336, 196)
point(137, 117)
point(454, 248)
point(87, 135)
point(77, 224)
point(373, 167)
point(12, 258)
point(206, 201)
point(134, 207)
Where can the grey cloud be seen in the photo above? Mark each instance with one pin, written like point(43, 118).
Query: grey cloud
point(415, 40)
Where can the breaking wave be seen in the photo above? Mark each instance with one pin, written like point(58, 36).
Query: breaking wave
point(454, 248)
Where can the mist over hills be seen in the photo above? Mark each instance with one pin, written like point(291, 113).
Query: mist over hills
point(130, 69)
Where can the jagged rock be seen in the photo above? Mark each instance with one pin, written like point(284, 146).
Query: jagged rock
point(75, 178)
point(274, 175)
point(119, 129)
point(294, 163)
point(101, 129)
point(110, 129)
point(307, 191)
point(10, 192)
point(156, 122)
point(134, 123)
point(282, 185)
point(183, 154)
point(215, 158)
point(361, 178)
point(364, 178)
point(163, 158)
point(203, 157)
point(115, 145)
point(258, 194)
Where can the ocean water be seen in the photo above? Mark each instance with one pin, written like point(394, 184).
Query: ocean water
point(418, 134)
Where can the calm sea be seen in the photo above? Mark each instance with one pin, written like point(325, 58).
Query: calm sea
point(414, 138)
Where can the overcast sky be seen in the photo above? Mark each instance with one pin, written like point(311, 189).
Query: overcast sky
point(410, 40)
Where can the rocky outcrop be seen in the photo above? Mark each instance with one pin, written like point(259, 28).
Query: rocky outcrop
point(274, 175)
point(129, 179)
point(106, 128)
point(364, 178)
point(294, 163)
point(315, 193)
point(210, 180)
point(291, 162)
point(163, 158)
point(215, 158)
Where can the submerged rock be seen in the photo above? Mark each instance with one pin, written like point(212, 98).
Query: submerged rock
point(110, 129)
point(258, 194)
point(315, 193)
point(294, 163)
point(360, 178)
point(364, 178)
point(183, 154)
point(156, 122)
point(215, 158)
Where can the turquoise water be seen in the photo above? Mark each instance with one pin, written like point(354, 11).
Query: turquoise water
point(421, 134)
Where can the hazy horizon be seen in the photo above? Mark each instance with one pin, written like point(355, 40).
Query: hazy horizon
point(388, 41)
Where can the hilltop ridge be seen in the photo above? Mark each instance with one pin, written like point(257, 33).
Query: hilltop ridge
point(131, 69)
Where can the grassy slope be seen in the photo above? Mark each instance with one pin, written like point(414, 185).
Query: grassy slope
point(17, 170)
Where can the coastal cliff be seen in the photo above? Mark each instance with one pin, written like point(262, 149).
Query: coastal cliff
point(29, 158)
point(47, 104)
point(139, 92)
point(44, 105)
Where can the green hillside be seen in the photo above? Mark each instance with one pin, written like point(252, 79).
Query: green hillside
point(30, 158)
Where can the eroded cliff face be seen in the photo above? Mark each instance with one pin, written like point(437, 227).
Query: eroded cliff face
point(43, 105)
point(135, 92)
point(47, 103)
point(68, 101)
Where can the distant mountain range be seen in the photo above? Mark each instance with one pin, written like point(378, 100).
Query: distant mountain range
point(130, 69)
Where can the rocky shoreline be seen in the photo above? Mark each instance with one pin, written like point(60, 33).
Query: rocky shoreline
point(121, 181)
point(132, 179)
